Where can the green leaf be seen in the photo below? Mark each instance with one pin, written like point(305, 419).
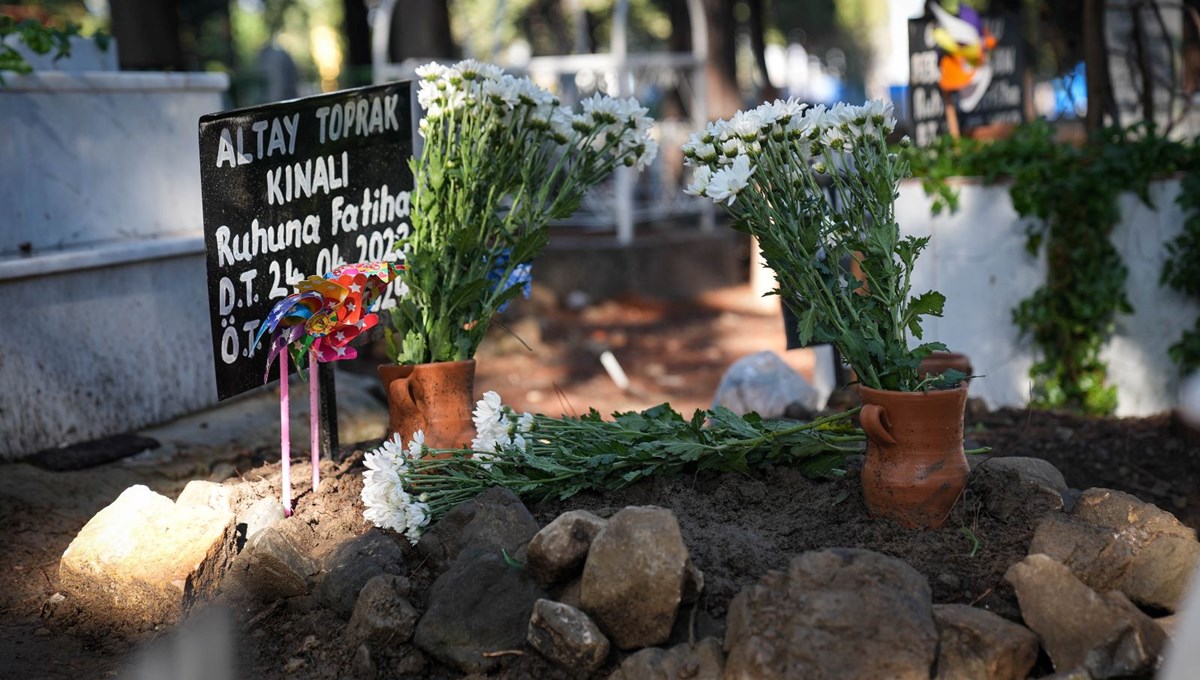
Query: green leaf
point(929, 303)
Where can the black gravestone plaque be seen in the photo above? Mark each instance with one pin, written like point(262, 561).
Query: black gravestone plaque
point(291, 190)
point(1001, 102)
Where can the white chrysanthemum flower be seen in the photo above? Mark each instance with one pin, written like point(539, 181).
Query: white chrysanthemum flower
point(501, 91)
point(604, 110)
point(815, 120)
point(562, 125)
point(529, 94)
point(416, 447)
point(729, 181)
point(638, 148)
point(471, 69)
point(701, 178)
point(834, 137)
point(487, 410)
point(518, 441)
point(842, 113)
point(525, 423)
point(431, 71)
point(789, 109)
point(879, 111)
point(630, 109)
point(393, 447)
point(427, 94)
point(416, 517)
point(383, 494)
point(717, 131)
point(746, 125)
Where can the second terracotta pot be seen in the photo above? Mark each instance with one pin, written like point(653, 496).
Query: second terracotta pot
point(939, 362)
point(915, 469)
point(435, 398)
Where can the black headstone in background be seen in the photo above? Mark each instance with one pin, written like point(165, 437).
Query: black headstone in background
point(291, 190)
point(1002, 103)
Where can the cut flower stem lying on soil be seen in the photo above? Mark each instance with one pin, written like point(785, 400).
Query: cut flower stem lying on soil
point(406, 489)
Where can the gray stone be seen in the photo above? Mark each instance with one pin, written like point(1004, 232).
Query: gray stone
point(1007, 489)
point(977, 644)
point(1113, 541)
point(701, 661)
point(1164, 550)
point(362, 665)
point(495, 519)
point(557, 552)
point(207, 494)
point(349, 566)
point(1073, 674)
point(764, 384)
point(633, 580)
point(1104, 633)
point(382, 615)
point(263, 513)
point(405, 662)
point(566, 636)
point(570, 593)
point(481, 604)
point(144, 561)
point(1094, 554)
point(1032, 471)
point(274, 564)
point(1168, 624)
point(837, 613)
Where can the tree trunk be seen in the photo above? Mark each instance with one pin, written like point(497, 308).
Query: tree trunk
point(758, 43)
point(358, 42)
point(421, 30)
point(724, 98)
point(1095, 59)
point(147, 34)
point(674, 106)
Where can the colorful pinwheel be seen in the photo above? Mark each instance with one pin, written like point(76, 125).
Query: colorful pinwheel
point(320, 320)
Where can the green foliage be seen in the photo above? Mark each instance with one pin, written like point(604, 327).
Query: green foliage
point(565, 456)
point(1181, 271)
point(38, 38)
point(1069, 196)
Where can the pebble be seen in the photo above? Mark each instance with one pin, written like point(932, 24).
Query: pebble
point(363, 666)
point(221, 472)
point(42, 632)
point(294, 664)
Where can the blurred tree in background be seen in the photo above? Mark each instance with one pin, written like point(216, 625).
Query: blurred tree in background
point(328, 42)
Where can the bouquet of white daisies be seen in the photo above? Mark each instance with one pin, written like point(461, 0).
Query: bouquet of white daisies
point(501, 159)
point(817, 187)
point(406, 487)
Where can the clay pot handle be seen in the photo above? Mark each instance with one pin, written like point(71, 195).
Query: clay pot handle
point(875, 423)
point(405, 404)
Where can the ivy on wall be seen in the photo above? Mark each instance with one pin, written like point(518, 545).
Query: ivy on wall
point(1181, 271)
point(1069, 196)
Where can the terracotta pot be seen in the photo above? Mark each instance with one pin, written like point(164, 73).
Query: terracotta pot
point(435, 398)
point(939, 362)
point(915, 469)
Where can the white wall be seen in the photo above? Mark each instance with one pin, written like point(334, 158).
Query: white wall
point(977, 258)
point(101, 254)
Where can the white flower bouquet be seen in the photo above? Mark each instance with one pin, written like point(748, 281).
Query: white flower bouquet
point(541, 458)
point(817, 188)
point(501, 159)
